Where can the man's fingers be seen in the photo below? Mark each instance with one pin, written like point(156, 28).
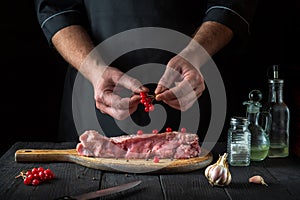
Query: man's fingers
point(118, 114)
point(181, 89)
point(183, 103)
point(168, 78)
point(182, 96)
point(159, 89)
point(131, 84)
point(112, 100)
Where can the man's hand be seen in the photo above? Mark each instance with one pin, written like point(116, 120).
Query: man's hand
point(181, 84)
point(107, 90)
point(189, 82)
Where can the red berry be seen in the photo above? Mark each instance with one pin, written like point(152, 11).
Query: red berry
point(183, 130)
point(28, 172)
point(27, 181)
point(34, 170)
point(140, 132)
point(49, 176)
point(151, 107)
point(143, 101)
point(155, 159)
point(146, 109)
point(48, 173)
point(40, 169)
point(168, 129)
point(42, 176)
point(30, 176)
point(35, 176)
point(155, 131)
point(35, 182)
point(143, 94)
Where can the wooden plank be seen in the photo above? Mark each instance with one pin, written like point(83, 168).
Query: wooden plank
point(70, 179)
point(287, 172)
point(240, 188)
point(190, 186)
point(282, 175)
point(113, 164)
point(149, 189)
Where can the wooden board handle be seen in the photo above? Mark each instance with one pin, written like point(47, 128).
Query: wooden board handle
point(45, 155)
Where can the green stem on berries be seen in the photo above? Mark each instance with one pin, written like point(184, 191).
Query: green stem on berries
point(152, 97)
point(22, 174)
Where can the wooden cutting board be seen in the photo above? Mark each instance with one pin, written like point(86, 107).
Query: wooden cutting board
point(113, 164)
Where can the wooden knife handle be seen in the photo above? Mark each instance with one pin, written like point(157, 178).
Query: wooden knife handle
point(45, 155)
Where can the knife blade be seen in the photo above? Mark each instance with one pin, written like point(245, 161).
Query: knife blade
point(102, 192)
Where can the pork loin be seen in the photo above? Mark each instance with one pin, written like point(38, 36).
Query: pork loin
point(175, 145)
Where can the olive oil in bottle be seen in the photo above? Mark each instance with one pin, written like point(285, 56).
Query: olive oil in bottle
point(259, 139)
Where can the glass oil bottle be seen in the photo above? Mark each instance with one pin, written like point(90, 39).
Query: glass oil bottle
point(280, 117)
point(260, 143)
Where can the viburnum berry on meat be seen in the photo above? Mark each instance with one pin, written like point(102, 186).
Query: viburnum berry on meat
point(156, 159)
point(155, 131)
point(168, 129)
point(36, 176)
point(183, 130)
point(140, 132)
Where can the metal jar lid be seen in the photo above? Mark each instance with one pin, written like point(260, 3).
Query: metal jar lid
point(239, 120)
point(276, 81)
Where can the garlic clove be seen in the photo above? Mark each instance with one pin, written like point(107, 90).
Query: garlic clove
point(216, 172)
point(228, 178)
point(258, 180)
point(207, 170)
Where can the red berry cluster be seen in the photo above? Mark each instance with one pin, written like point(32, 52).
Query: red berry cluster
point(36, 176)
point(147, 100)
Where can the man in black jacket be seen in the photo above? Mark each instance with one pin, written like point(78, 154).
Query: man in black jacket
point(76, 27)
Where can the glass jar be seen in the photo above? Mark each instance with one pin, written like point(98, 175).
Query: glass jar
point(239, 142)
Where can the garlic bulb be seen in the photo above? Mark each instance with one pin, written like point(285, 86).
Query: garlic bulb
point(218, 174)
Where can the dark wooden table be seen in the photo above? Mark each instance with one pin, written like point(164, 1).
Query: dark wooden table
point(282, 176)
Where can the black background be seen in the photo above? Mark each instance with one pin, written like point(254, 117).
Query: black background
point(33, 74)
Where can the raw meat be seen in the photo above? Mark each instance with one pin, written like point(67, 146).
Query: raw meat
point(163, 145)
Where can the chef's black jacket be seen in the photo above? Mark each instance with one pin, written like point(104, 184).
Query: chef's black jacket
point(105, 18)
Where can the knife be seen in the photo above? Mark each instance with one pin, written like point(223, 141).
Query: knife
point(102, 192)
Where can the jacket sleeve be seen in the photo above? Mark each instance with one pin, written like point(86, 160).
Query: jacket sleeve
point(235, 14)
point(54, 15)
